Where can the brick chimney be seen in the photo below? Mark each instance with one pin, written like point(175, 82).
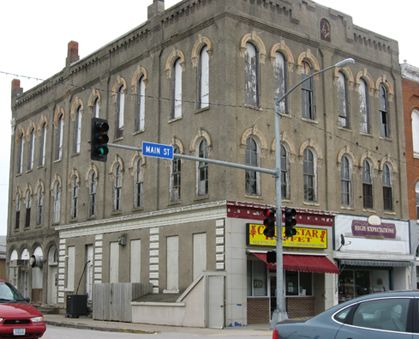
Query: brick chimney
point(16, 90)
point(72, 53)
point(156, 8)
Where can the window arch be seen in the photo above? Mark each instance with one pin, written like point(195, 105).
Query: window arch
point(387, 188)
point(138, 184)
point(177, 89)
point(307, 92)
point(59, 136)
point(31, 150)
point(415, 131)
point(203, 80)
point(367, 188)
point(252, 159)
point(20, 149)
point(28, 206)
point(77, 130)
point(346, 181)
point(140, 109)
point(251, 75)
point(120, 111)
point(383, 111)
point(280, 75)
point(342, 97)
point(175, 177)
point(74, 196)
point(363, 106)
point(92, 193)
point(56, 202)
point(310, 176)
point(42, 144)
point(39, 205)
point(117, 187)
point(417, 200)
point(202, 168)
point(285, 173)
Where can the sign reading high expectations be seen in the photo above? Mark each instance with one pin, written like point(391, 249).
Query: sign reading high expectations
point(151, 149)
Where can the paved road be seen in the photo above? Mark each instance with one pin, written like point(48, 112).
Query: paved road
point(54, 332)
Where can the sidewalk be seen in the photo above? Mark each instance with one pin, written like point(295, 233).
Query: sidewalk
point(114, 326)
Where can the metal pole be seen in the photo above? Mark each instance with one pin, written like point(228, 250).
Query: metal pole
point(280, 312)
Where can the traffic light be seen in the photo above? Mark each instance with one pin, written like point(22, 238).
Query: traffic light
point(269, 223)
point(99, 139)
point(271, 257)
point(290, 221)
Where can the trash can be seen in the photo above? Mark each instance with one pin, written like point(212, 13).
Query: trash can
point(76, 305)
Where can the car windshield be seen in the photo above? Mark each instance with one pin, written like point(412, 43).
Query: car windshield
point(9, 294)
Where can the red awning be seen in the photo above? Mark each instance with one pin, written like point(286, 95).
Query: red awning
point(302, 263)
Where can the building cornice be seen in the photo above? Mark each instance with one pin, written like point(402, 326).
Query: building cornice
point(410, 72)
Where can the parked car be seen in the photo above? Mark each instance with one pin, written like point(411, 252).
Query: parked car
point(383, 315)
point(18, 318)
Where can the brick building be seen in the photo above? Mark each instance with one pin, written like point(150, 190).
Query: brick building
point(202, 76)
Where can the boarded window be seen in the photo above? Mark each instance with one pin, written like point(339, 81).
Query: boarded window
point(177, 90)
point(204, 78)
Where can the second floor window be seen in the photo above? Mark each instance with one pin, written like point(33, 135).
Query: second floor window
point(175, 177)
point(363, 107)
point(387, 189)
point(309, 176)
point(42, 145)
point(56, 211)
point(285, 173)
point(345, 181)
point(28, 205)
point(59, 136)
point(307, 93)
point(383, 111)
point(252, 159)
point(202, 168)
point(74, 197)
point(92, 194)
point(367, 193)
point(31, 150)
point(117, 188)
point(177, 90)
point(40, 206)
point(120, 111)
point(77, 131)
point(140, 109)
point(342, 97)
point(251, 76)
point(138, 185)
point(204, 78)
point(17, 212)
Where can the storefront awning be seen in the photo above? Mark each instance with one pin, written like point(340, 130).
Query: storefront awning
point(374, 263)
point(302, 263)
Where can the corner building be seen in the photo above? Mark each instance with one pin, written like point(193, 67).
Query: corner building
point(202, 76)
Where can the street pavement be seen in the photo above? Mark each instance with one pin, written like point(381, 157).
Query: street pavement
point(84, 322)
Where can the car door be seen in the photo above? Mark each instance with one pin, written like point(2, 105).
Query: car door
point(385, 318)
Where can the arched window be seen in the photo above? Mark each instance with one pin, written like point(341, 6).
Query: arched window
point(252, 159)
point(92, 194)
point(138, 185)
point(251, 76)
point(387, 188)
point(175, 177)
point(31, 151)
point(28, 206)
point(117, 188)
point(96, 108)
point(42, 145)
point(367, 192)
point(20, 147)
point(307, 93)
point(280, 76)
point(346, 181)
point(415, 131)
point(77, 131)
point(202, 169)
point(364, 115)
point(74, 197)
point(39, 205)
point(203, 78)
point(285, 173)
point(17, 209)
point(342, 96)
point(383, 111)
point(177, 90)
point(417, 200)
point(59, 136)
point(56, 203)
point(120, 111)
point(309, 174)
point(140, 112)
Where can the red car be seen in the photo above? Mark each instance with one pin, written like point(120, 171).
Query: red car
point(18, 318)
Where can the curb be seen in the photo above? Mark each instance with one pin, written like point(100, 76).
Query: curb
point(97, 328)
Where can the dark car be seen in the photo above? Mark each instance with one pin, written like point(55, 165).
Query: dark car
point(18, 318)
point(384, 315)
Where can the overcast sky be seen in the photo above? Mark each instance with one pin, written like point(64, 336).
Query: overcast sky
point(34, 37)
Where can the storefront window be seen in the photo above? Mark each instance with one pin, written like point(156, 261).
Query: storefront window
point(256, 279)
point(298, 283)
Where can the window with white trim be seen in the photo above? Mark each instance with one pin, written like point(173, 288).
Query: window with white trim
point(28, 206)
point(387, 188)
point(252, 178)
point(74, 197)
point(383, 111)
point(31, 151)
point(117, 188)
point(280, 76)
point(120, 111)
point(42, 145)
point(204, 78)
point(342, 96)
point(140, 116)
point(309, 173)
point(77, 131)
point(175, 177)
point(364, 115)
point(346, 182)
point(251, 75)
point(20, 148)
point(367, 192)
point(202, 168)
point(59, 136)
point(56, 211)
point(177, 90)
point(39, 205)
point(138, 185)
point(92, 194)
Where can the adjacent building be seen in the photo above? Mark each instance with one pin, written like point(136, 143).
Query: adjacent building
point(203, 76)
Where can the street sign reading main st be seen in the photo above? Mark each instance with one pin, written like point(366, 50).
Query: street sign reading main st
point(151, 149)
